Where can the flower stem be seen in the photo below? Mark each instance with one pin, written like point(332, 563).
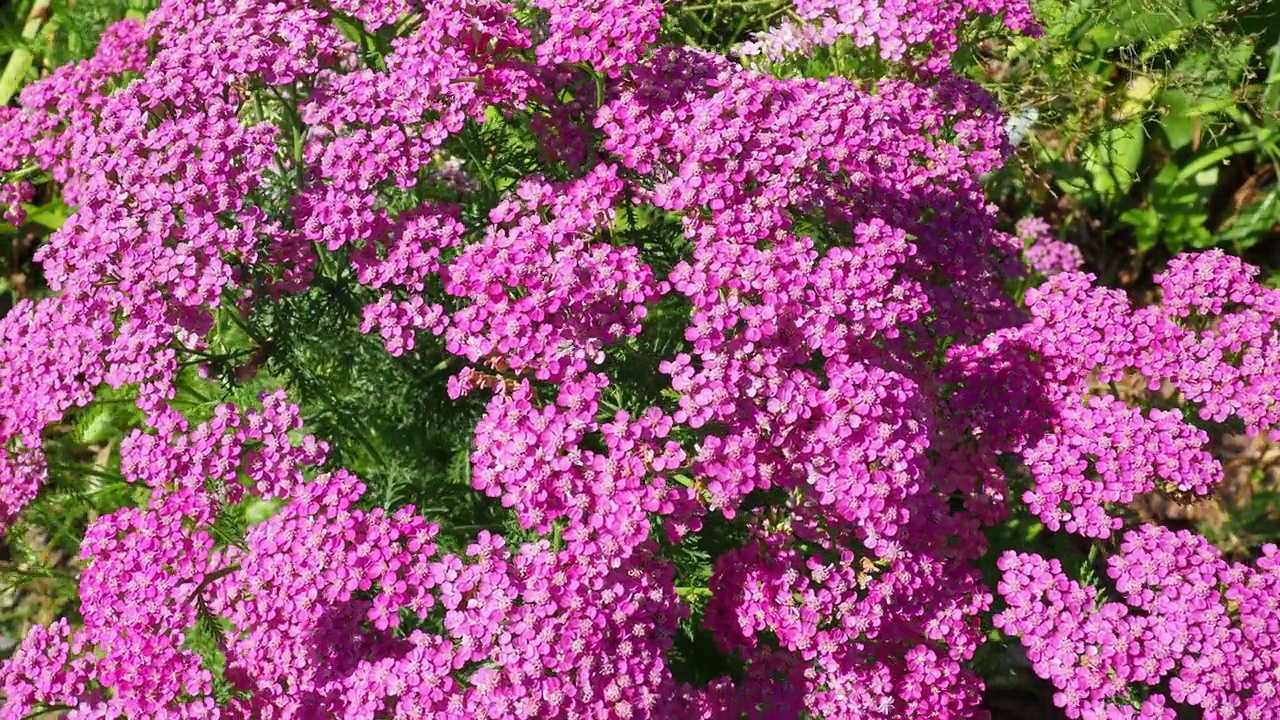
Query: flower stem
point(20, 60)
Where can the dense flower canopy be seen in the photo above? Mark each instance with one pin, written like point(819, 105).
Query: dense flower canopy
point(854, 391)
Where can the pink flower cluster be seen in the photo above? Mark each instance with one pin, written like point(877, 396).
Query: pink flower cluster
point(1047, 254)
point(1185, 617)
point(897, 29)
point(574, 295)
point(607, 35)
point(307, 603)
point(1208, 346)
point(849, 385)
point(1106, 452)
point(12, 196)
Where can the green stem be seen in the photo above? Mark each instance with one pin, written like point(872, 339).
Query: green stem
point(81, 470)
point(445, 364)
point(1261, 138)
point(214, 577)
point(469, 528)
point(253, 334)
point(335, 290)
point(201, 397)
point(43, 574)
point(47, 710)
point(21, 59)
point(715, 7)
point(486, 177)
point(1273, 79)
point(296, 135)
point(25, 172)
point(215, 355)
point(362, 432)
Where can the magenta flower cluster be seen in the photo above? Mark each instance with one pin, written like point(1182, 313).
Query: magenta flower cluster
point(1047, 254)
point(855, 393)
point(921, 32)
point(1185, 617)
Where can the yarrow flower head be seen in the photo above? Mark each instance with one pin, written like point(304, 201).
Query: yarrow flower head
point(1185, 617)
point(1047, 254)
point(914, 31)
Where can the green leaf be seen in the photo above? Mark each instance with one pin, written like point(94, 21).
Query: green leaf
point(1178, 124)
point(1146, 227)
point(1128, 22)
point(459, 472)
point(1125, 146)
point(1257, 219)
point(1172, 194)
point(97, 425)
point(1212, 73)
point(1112, 161)
point(1207, 179)
point(51, 215)
point(257, 510)
point(1203, 9)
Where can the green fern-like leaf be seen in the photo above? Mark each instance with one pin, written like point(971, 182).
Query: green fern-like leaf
point(95, 425)
point(459, 472)
point(205, 639)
